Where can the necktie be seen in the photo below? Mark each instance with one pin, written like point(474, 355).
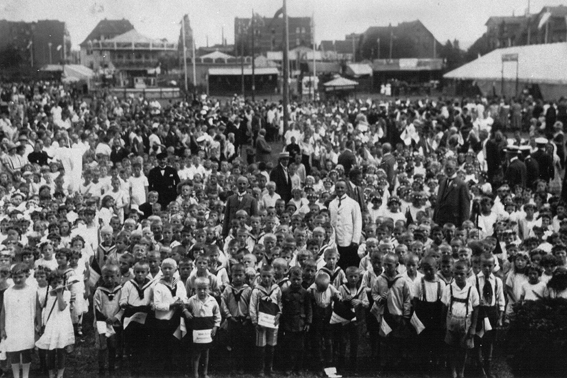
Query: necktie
point(487, 291)
point(340, 200)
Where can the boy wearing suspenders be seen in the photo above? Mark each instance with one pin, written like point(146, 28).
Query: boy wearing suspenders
point(461, 302)
point(429, 309)
point(491, 311)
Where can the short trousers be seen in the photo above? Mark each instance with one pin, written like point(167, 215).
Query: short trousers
point(266, 336)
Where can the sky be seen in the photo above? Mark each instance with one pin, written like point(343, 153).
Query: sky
point(463, 20)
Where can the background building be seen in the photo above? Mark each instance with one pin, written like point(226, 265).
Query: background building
point(129, 59)
point(269, 34)
point(94, 58)
point(406, 40)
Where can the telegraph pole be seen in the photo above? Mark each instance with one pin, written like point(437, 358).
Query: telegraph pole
point(285, 68)
point(185, 53)
point(252, 24)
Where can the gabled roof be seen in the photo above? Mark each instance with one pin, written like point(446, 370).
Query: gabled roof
point(506, 20)
point(359, 69)
point(109, 29)
point(216, 55)
point(536, 64)
point(132, 36)
point(557, 11)
point(327, 46)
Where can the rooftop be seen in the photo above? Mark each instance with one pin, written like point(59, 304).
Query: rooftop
point(108, 29)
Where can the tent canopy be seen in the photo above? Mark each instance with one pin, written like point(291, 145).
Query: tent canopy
point(340, 84)
point(70, 72)
point(359, 69)
point(540, 64)
point(216, 55)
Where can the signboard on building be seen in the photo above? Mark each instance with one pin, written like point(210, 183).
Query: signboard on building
point(509, 57)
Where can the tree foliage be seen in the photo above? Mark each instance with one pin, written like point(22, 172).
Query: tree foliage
point(10, 57)
point(537, 339)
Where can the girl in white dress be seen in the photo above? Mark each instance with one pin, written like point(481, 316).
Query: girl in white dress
point(80, 266)
point(57, 326)
point(19, 321)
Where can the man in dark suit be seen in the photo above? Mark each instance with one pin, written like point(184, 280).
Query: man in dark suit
point(239, 201)
point(544, 161)
point(280, 176)
point(347, 158)
point(163, 179)
point(388, 164)
point(453, 199)
point(532, 167)
point(516, 173)
point(354, 188)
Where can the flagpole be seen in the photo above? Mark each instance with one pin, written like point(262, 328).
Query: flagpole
point(242, 42)
point(285, 67)
point(185, 53)
point(194, 66)
point(253, 56)
point(313, 83)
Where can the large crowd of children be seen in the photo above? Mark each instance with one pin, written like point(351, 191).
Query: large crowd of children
point(181, 285)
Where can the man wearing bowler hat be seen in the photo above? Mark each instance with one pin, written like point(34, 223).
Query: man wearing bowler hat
point(163, 179)
point(281, 177)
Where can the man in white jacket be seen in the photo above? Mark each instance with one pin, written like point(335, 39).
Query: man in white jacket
point(346, 219)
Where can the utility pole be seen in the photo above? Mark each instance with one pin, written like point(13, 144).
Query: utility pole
point(194, 67)
point(252, 25)
point(314, 78)
point(285, 68)
point(242, 42)
point(49, 45)
point(391, 42)
point(185, 53)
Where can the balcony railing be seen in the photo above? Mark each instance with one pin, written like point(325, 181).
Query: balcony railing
point(106, 45)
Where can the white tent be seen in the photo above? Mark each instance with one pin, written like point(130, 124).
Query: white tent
point(217, 55)
point(340, 84)
point(70, 72)
point(543, 65)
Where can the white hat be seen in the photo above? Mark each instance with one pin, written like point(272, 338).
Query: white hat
point(541, 141)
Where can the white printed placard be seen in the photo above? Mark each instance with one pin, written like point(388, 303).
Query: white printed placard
point(267, 320)
point(202, 336)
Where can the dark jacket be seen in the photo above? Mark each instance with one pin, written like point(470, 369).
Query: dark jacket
point(165, 185)
point(516, 174)
point(283, 182)
point(248, 204)
point(297, 310)
point(453, 203)
point(263, 150)
point(545, 163)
